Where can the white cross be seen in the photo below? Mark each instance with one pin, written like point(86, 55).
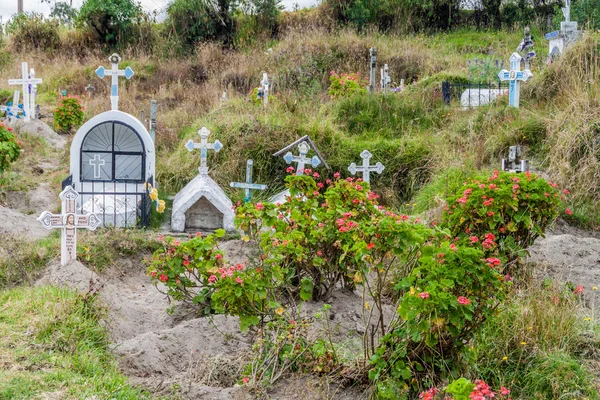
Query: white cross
point(203, 146)
point(97, 162)
point(515, 76)
point(115, 72)
point(248, 185)
point(265, 86)
point(372, 66)
point(69, 221)
point(366, 168)
point(26, 81)
point(385, 78)
point(303, 148)
point(566, 10)
point(13, 109)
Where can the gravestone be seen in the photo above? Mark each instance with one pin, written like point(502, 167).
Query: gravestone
point(153, 109)
point(385, 81)
point(514, 76)
point(29, 85)
point(568, 34)
point(526, 48)
point(366, 168)
point(112, 163)
point(480, 97)
point(69, 221)
point(515, 163)
point(13, 110)
point(202, 205)
point(372, 69)
point(248, 186)
point(263, 91)
point(114, 73)
point(304, 145)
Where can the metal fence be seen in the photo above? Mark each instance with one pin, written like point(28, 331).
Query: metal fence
point(473, 94)
point(119, 204)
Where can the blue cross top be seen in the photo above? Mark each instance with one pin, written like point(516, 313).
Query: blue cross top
point(248, 186)
point(114, 73)
point(302, 160)
point(515, 76)
point(203, 146)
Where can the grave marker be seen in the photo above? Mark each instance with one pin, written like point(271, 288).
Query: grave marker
point(248, 186)
point(515, 76)
point(515, 163)
point(204, 146)
point(89, 89)
point(366, 169)
point(153, 108)
point(301, 159)
point(565, 37)
point(25, 82)
point(385, 81)
point(114, 73)
point(69, 221)
point(13, 109)
point(372, 68)
point(265, 89)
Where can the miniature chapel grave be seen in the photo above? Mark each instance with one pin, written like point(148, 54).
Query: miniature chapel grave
point(112, 163)
point(69, 221)
point(304, 144)
point(202, 205)
point(562, 39)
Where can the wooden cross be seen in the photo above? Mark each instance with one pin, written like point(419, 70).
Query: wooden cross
point(366, 168)
point(515, 76)
point(27, 83)
point(265, 89)
point(13, 109)
point(248, 186)
point(97, 162)
point(69, 221)
point(115, 72)
point(302, 160)
point(204, 146)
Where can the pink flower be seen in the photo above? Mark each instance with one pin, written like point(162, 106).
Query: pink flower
point(240, 267)
point(515, 187)
point(453, 247)
point(463, 300)
point(212, 279)
point(153, 274)
point(260, 206)
point(316, 175)
point(568, 211)
point(358, 187)
point(492, 262)
point(474, 239)
point(245, 379)
point(198, 234)
point(424, 295)
point(186, 262)
point(504, 391)
point(566, 191)
point(319, 253)
point(163, 278)
point(336, 175)
point(307, 171)
point(239, 280)
point(490, 213)
point(578, 290)
point(370, 246)
point(289, 169)
point(218, 256)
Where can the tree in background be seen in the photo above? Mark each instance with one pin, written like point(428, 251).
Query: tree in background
point(64, 12)
point(109, 19)
point(193, 21)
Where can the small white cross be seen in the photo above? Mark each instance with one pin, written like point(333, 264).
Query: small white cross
point(302, 160)
point(97, 162)
point(385, 78)
point(265, 87)
point(366, 168)
point(69, 221)
point(515, 76)
point(26, 81)
point(115, 72)
point(248, 185)
point(203, 146)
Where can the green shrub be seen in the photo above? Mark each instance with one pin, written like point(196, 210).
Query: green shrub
point(109, 20)
point(507, 208)
point(346, 85)
point(69, 115)
point(10, 148)
point(444, 301)
point(440, 187)
point(33, 31)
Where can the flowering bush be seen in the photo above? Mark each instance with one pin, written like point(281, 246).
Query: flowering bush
point(464, 389)
point(10, 148)
point(346, 85)
point(445, 299)
point(68, 115)
point(196, 273)
point(327, 233)
point(509, 209)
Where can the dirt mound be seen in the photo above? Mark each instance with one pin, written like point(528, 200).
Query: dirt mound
point(38, 128)
point(16, 223)
point(35, 201)
point(74, 275)
point(567, 257)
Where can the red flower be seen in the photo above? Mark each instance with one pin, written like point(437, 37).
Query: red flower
point(463, 300)
point(245, 379)
point(212, 279)
point(336, 175)
point(490, 213)
point(578, 290)
point(218, 256)
point(239, 280)
point(186, 262)
point(566, 191)
point(260, 206)
point(504, 391)
point(289, 169)
point(163, 278)
point(198, 234)
point(424, 295)
point(568, 211)
point(316, 175)
point(370, 246)
point(153, 273)
point(492, 262)
point(474, 239)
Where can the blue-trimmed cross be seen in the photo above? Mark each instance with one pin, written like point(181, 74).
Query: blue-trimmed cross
point(248, 186)
point(515, 76)
point(302, 160)
point(115, 72)
point(366, 168)
point(203, 146)
point(13, 109)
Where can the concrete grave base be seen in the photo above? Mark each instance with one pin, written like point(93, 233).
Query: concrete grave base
point(202, 205)
point(280, 197)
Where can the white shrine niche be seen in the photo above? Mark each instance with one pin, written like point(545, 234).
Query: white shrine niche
point(112, 160)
